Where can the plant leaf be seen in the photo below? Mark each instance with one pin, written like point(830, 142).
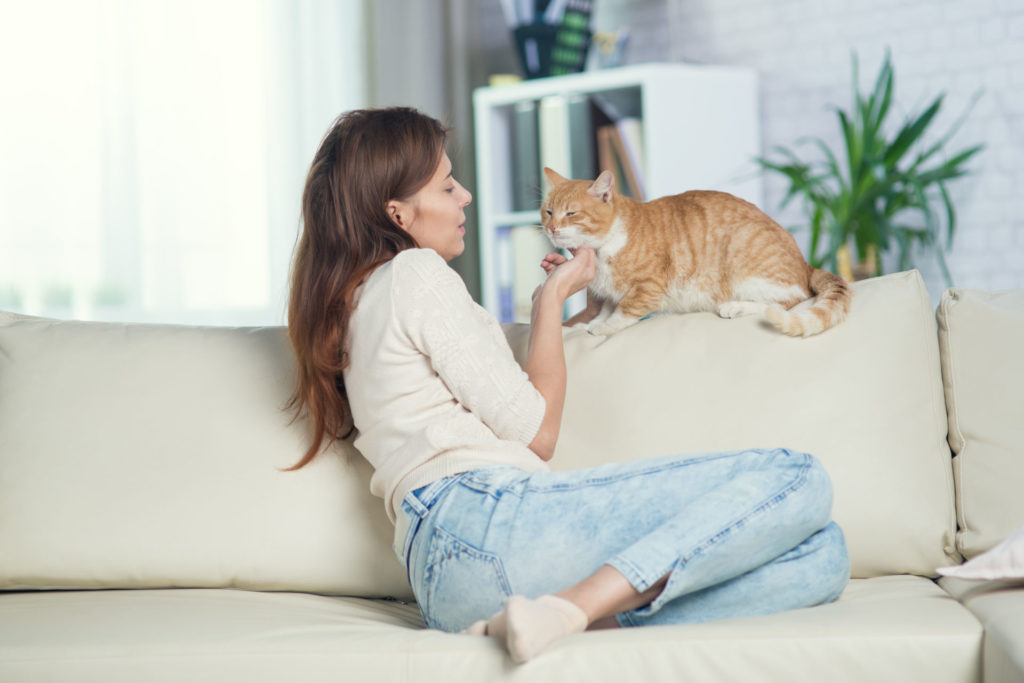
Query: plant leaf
point(911, 133)
point(942, 141)
point(950, 215)
point(880, 99)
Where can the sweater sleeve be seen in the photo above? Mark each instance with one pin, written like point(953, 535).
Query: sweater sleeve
point(465, 345)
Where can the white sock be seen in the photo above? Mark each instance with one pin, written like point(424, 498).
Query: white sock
point(531, 626)
point(477, 628)
point(493, 627)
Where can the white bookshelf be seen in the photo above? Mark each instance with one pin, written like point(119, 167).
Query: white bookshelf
point(700, 131)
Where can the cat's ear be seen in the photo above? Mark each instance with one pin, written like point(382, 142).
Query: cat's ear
point(603, 187)
point(555, 179)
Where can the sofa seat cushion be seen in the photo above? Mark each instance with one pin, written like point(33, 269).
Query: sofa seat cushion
point(999, 606)
point(884, 629)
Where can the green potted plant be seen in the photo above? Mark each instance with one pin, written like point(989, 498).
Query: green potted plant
point(888, 193)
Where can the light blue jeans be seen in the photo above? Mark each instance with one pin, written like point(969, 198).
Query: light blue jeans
point(740, 533)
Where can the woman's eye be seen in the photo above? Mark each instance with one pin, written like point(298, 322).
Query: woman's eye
point(449, 190)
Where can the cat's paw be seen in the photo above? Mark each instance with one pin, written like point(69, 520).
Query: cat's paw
point(607, 328)
point(730, 309)
point(601, 329)
point(735, 309)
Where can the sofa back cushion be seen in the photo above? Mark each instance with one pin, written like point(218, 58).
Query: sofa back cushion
point(865, 397)
point(151, 455)
point(981, 337)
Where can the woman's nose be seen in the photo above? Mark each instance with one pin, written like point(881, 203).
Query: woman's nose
point(466, 197)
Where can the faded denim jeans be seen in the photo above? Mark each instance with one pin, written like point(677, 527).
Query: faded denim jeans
point(738, 534)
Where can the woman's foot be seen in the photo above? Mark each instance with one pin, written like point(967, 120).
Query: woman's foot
point(528, 627)
point(532, 626)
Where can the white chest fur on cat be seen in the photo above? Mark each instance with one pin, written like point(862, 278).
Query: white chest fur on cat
point(603, 284)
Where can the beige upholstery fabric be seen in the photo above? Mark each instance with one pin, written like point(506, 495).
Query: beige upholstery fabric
point(865, 397)
point(9, 317)
point(1000, 608)
point(148, 456)
point(885, 629)
point(981, 336)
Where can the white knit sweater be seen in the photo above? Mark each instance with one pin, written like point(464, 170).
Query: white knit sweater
point(432, 383)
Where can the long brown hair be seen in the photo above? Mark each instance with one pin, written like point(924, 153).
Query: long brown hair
point(367, 158)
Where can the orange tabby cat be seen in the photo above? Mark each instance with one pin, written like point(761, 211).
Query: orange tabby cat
point(696, 251)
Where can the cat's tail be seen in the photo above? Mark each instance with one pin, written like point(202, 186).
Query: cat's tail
point(829, 309)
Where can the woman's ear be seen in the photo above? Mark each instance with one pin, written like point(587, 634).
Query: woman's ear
point(395, 209)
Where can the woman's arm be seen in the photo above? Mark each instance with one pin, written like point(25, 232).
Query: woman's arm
point(545, 361)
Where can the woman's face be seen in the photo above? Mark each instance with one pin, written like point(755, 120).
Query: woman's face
point(434, 215)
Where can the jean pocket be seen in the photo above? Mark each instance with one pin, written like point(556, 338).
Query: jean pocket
point(461, 583)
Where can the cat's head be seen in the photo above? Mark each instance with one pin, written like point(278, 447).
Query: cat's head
point(578, 213)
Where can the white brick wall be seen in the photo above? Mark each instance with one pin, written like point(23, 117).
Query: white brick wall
point(802, 50)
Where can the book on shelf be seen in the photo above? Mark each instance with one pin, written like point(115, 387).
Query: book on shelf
point(503, 256)
point(520, 250)
point(526, 167)
point(581, 138)
point(555, 152)
point(630, 142)
point(619, 150)
point(620, 144)
point(567, 141)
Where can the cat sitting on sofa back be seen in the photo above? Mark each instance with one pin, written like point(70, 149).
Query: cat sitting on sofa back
point(695, 251)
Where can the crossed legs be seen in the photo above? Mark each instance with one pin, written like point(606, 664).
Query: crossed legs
point(661, 541)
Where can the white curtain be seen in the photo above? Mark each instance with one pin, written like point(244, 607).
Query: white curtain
point(152, 152)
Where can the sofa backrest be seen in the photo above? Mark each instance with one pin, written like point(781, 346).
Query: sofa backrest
point(150, 455)
point(865, 397)
point(981, 337)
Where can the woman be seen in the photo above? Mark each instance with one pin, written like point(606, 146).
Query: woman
point(390, 343)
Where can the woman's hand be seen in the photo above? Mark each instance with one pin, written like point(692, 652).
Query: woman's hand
point(551, 261)
point(569, 276)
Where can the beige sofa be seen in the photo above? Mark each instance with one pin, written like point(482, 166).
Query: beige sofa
point(148, 458)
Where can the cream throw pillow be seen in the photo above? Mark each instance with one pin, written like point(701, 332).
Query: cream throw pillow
point(1005, 562)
